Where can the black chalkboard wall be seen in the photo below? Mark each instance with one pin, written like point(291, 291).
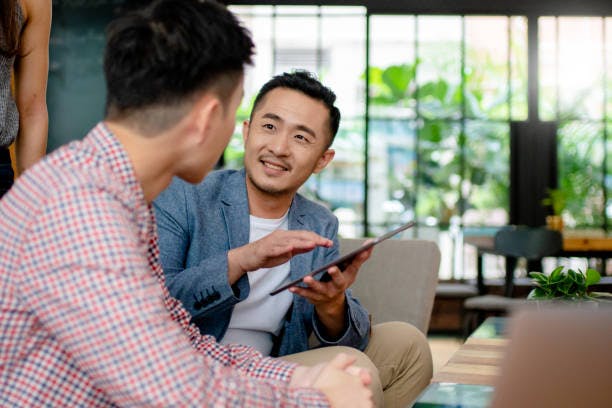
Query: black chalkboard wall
point(76, 90)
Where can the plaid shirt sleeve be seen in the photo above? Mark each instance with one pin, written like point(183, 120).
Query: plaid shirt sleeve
point(100, 301)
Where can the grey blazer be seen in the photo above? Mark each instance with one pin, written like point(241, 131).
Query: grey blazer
point(199, 224)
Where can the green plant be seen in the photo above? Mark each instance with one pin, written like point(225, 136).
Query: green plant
point(568, 285)
point(556, 200)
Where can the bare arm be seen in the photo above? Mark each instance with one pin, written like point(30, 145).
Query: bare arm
point(31, 71)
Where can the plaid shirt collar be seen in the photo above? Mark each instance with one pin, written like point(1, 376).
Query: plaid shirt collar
point(116, 158)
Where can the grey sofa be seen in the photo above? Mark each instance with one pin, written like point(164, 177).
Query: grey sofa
point(398, 283)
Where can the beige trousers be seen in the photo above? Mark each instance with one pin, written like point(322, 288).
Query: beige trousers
point(397, 356)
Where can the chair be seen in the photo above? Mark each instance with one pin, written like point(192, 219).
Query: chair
point(533, 244)
point(398, 282)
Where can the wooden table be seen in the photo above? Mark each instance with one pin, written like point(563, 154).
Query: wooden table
point(477, 362)
point(582, 244)
point(587, 244)
point(467, 379)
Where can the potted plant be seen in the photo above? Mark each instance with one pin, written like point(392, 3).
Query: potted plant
point(567, 285)
point(556, 200)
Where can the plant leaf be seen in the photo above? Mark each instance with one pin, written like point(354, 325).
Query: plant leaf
point(592, 277)
point(579, 278)
point(539, 277)
point(565, 286)
point(556, 274)
point(537, 293)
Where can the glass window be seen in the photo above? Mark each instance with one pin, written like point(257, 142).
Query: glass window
point(569, 87)
point(548, 73)
point(580, 85)
point(608, 70)
point(485, 183)
point(518, 68)
point(581, 154)
point(342, 183)
point(439, 71)
point(392, 67)
point(608, 180)
point(487, 64)
point(392, 166)
point(576, 94)
point(428, 76)
point(392, 126)
point(439, 173)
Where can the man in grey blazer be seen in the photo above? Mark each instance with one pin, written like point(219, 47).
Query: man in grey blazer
point(228, 241)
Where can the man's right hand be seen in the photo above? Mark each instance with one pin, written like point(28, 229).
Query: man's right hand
point(344, 384)
point(272, 250)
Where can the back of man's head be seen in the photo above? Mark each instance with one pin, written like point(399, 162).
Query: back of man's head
point(160, 57)
point(308, 84)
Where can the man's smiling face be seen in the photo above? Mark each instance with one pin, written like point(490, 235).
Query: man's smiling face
point(286, 141)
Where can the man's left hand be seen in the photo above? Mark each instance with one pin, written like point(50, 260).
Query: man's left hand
point(329, 298)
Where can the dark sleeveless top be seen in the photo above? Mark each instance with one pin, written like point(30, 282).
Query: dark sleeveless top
point(9, 116)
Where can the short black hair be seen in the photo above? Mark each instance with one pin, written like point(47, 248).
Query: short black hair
point(305, 82)
point(162, 54)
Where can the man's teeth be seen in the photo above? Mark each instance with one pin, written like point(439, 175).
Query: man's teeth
point(273, 166)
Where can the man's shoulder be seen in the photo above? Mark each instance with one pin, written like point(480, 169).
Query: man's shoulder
point(211, 188)
point(68, 185)
point(69, 168)
point(314, 210)
point(217, 179)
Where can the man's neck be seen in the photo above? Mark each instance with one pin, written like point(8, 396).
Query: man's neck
point(266, 205)
point(150, 158)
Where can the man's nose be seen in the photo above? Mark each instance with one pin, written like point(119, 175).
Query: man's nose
point(280, 145)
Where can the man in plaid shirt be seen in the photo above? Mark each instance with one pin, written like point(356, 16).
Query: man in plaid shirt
point(85, 319)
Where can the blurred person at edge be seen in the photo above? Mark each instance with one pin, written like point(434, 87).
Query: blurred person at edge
point(25, 26)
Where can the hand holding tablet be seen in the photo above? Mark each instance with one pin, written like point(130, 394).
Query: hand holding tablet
point(345, 260)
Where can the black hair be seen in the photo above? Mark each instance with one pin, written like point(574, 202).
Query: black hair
point(9, 27)
point(308, 84)
point(162, 54)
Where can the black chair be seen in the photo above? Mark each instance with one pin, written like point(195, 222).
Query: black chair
point(513, 243)
point(533, 244)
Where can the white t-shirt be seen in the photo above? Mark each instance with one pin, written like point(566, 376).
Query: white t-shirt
point(260, 316)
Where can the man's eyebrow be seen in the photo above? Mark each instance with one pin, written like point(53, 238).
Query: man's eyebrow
point(303, 128)
point(272, 116)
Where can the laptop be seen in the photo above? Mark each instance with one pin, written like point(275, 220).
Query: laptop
point(558, 357)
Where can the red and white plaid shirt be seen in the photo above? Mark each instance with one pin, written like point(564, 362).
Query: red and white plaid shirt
point(85, 317)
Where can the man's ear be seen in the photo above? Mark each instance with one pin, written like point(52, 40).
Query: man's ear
point(245, 130)
point(208, 112)
point(324, 160)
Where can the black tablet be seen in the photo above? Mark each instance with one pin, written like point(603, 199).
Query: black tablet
point(345, 260)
